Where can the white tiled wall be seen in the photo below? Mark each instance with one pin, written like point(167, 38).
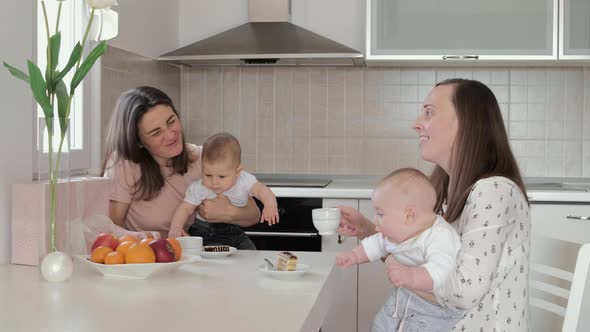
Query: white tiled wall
point(358, 120)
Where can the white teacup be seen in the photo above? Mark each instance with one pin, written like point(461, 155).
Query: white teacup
point(191, 245)
point(326, 220)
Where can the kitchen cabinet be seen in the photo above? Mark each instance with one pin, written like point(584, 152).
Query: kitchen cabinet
point(342, 316)
point(557, 231)
point(574, 29)
point(466, 29)
point(373, 285)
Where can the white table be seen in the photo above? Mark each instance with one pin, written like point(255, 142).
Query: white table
point(227, 294)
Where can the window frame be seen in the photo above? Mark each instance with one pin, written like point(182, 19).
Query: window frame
point(77, 160)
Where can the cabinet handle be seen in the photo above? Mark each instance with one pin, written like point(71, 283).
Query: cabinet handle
point(460, 57)
point(578, 217)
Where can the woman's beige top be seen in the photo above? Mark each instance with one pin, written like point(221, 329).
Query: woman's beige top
point(155, 214)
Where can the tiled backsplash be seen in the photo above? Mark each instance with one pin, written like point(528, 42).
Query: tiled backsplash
point(345, 120)
point(358, 120)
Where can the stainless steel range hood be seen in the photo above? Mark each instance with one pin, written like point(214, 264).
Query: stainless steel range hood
point(269, 38)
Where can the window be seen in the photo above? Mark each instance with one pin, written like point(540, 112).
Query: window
point(73, 20)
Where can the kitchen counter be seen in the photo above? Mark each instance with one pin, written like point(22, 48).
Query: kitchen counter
point(361, 187)
point(228, 294)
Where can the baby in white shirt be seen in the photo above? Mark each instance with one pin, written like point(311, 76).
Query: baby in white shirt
point(409, 230)
point(223, 175)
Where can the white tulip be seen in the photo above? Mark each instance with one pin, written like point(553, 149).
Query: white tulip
point(101, 4)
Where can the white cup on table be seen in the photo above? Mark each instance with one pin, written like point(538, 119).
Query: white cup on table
point(191, 245)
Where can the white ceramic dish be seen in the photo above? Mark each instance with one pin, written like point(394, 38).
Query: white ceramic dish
point(325, 213)
point(190, 242)
point(219, 254)
point(326, 220)
point(326, 226)
point(301, 270)
point(135, 271)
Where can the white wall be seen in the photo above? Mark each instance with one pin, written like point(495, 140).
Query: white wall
point(17, 26)
point(147, 27)
point(199, 19)
point(340, 20)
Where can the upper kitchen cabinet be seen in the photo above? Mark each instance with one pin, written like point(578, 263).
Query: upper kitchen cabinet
point(465, 30)
point(574, 24)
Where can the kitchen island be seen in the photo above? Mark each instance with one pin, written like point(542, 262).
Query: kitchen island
point(225, 294)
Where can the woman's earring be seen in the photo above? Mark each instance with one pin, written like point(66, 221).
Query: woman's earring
point(140, 146)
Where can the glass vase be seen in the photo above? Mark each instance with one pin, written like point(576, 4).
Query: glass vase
point(53, 172)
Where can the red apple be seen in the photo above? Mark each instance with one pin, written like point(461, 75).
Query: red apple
point(105, 240)
point(163, 250)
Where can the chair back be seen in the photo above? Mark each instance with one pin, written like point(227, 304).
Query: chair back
point(558, 293)
point(579, 300)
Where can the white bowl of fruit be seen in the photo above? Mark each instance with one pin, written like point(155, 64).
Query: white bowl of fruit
point(129, 258)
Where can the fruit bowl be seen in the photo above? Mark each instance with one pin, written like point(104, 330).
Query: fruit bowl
point(135, 271)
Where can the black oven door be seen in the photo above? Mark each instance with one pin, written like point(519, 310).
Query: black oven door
point(295, 230)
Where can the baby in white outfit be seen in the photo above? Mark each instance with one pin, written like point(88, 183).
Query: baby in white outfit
point(223, 175)
point(410, 231)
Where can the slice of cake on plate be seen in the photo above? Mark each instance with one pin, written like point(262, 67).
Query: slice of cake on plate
point(286, 261)
point(219, 248)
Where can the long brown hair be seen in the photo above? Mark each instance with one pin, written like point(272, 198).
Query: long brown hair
point(123, 141)
point(481, 148)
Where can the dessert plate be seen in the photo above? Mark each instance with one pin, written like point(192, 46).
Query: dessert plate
point(301, 270)
point(217, 254)
point(135, 271)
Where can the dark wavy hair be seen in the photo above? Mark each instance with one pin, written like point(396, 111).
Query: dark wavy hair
point(123, 141)
point(481, 147)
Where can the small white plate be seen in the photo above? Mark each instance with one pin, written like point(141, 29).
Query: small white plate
point(135, 271)
point(301, 269)
point(217, 254)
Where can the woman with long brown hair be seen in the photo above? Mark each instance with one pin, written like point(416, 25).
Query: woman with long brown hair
point(481, 193)
point(150, 166)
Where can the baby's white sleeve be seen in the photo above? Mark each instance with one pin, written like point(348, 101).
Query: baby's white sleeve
point(374, 247)
point(441, 249)
point(197, 193)
point(247, 180)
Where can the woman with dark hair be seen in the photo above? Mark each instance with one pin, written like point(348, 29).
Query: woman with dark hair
point(150, 166)
point(481, 193)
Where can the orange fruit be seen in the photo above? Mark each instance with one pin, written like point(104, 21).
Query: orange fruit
point(114, 257)
point(128, 238)
point(177, 248)
point(124, 246)
point(140, 253)
point(99, 253)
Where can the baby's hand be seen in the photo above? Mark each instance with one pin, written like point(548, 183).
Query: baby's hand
point(270, 214)
point(176, 232)
point(346, 259)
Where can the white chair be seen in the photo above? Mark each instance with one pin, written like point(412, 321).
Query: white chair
point(558, 295)
point(579, 300)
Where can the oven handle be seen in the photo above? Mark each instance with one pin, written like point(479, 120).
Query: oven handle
point(285, 234)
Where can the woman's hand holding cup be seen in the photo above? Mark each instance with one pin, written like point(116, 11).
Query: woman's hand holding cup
point(352, 223)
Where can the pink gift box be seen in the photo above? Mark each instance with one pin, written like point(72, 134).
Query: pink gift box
point(77, 198)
